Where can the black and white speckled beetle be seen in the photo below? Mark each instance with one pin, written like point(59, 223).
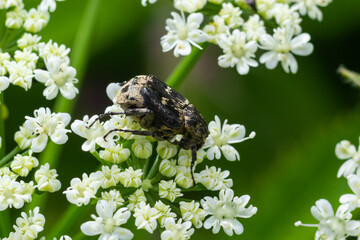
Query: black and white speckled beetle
point(163, 112)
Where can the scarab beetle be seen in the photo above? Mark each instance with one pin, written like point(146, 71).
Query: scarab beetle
point(163, 112)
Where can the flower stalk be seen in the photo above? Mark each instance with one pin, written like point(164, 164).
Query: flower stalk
point(186, 64)
point(352, 76)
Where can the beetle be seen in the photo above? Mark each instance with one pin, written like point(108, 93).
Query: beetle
point(163, 112)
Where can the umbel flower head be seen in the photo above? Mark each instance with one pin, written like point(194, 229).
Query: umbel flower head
point(332, 226)
point(149, 185)
point(240, 33)
point(154, 176)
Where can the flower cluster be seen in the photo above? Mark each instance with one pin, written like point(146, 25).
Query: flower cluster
point(35, 131)
point(150, 180)
point(23, 56)
point(340, 225)
point(29, 226)
point(241, 30)
point(15, 168)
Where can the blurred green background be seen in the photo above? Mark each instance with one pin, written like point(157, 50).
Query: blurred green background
point(298, 118)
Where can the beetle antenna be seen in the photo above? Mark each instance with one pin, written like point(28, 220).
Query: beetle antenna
point(135, 132)
point(104, 115)
point(193, 161)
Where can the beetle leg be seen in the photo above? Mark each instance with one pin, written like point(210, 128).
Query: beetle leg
point(193, 161)
point(135, 132)
point(128, 112)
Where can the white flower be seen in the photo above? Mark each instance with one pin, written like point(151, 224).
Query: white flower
point(4, 83)
point(115, 154)
point(108, 223)
point(176, 230)
point(168, 167)
point(111, 91)
point(220, 138)
point(93, 135)
point(183, 177)
point(4, 4)
point(30, 59)
point(15, 18)
point(168, 190)
point(6, 171)
point(231, 15)
point(331, 226)
point(264, 7)
point(46, 179)
point(145, 217)
point(46, 124)
point(82, 190)
point(166, 150)
point(13, 193)
point(191, 211)
point(310, 7)
point(254, 28)
point(286, 17)
point(144, 2)
point(237, 52)
point(48, 5)
point(28, 227)
point(131, 177)
point(113, 196)
point(20, 74)
point(29, 41)
point(189, 5)
point(281, 47)
point(347, 151)
point(164, 212)
point(183, 33)
point(213, 179)
point(23, 137)
point(135, 199)
point(352, 200)
point(185, 158)
point(4, 61)
point(142, 148)
point(53, 49)
point(59, 76)
point(35, 20)
point(22, 165)
point(109, 177)
point(215, 28)
point(225, 210)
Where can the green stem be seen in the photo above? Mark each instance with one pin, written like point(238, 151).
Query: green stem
point(4, 38)
point(145, 168)
point(157, 178)
point(68, 220)
point(96, 155)
point(9, 156)
point(154, 168)
point(197, 188)
point(79, 60)
point(184, 67)
point(2, 126)
point(5, 226)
